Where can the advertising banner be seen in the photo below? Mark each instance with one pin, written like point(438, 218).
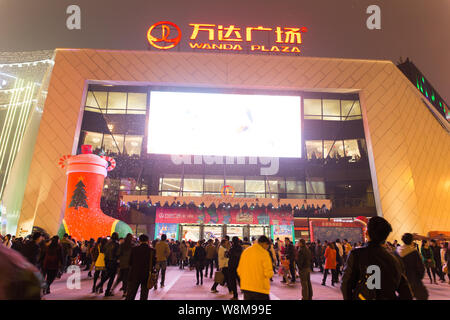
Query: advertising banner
point(170, 229)
point(330, 231)
point(283, 231)
point(223, 216)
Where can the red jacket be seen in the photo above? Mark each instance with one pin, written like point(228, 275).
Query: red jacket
point(330, 258)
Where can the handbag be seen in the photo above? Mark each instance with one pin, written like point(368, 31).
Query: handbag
point(219, 277)
point(445, 268)
point(152, 278)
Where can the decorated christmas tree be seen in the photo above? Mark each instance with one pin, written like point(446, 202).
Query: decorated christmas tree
point(79, 196)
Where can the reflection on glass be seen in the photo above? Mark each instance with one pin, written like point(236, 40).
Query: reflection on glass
point(331, 110)
point(315, 186)
point(351, 149)
point(314, 149)
point(333, 149)
point(193, 184)
point(111, 145)
point(137, 103)
point(117, 102)
point(350, 108)
point(294, 186)
point(171, 184)
point(236, 183)
point(254, 186)
point(96, 99)
point(275, 185)
point(312, 107)
point(133, 145)
point(214, 185)
point(94, 139)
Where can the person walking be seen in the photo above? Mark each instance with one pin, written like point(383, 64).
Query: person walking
point(183, 254)
point(393, 283)
point(234, 255)
point(142, 264)
point(437, 259)
point(304, 265)
point(111, 263)
point(67, 246)
point(290, 256)
point(162, 253)
point(223, 264)
point(428, 260)
point(199, 261)
point(99, 265)
point(414, 268)
point(255, 270)
point(319, 255)
point(53, 259)
point(210, 252)
point(31, 249)
point(330, 264)
point(124, 263)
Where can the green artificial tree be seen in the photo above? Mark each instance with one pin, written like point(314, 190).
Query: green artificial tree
point(79, 196)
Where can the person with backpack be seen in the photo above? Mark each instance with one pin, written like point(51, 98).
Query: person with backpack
point(393, 284)
point(199, 259)
point(414, 268)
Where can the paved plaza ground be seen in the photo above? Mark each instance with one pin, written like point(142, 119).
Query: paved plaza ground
point(180, 285)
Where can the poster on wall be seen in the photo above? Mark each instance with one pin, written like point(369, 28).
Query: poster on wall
point(170, 229)
point(282, 231)
point(190, 233)
point(235, 231)
point(330, 231)
point(212, 232)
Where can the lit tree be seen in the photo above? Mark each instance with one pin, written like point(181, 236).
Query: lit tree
point(79, 196)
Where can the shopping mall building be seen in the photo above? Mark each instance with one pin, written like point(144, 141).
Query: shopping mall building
point(333, 139)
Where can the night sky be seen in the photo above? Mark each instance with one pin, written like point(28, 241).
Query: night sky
point(418, 29)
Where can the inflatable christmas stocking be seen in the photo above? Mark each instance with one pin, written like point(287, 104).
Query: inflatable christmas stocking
point(83, 218)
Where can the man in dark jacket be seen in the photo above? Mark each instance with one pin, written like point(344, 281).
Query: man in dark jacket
point(31, 249)
point(234, 255)
point(304, 265)
point(414, 267)
point(389, 280)
point(111, 263)
point(437, 258)
point(210, 252)
point(142, 262)
point(290, 255)
point(319, 255)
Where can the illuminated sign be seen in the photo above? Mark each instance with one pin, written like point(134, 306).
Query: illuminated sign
point(231, 38)
point(163, 41)
point(226, 190)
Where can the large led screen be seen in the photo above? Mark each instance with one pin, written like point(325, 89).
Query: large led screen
point(186, 123)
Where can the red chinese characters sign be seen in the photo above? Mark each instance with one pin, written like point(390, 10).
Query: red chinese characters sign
point(223, 216)
point(222, 37)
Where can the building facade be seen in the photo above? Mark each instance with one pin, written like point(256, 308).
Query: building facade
point(370, 143)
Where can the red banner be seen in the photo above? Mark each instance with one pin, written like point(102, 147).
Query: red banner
point(223, 216)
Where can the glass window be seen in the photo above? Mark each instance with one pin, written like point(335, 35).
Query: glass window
point(171, 183)
point(315, 186)
point(191, 233)
point(117, 102)
point(137, 103)
point(312, 107)
point(94, 139)
point(254, 186)
point(111, 145)
point(133, 145)
point(331, 110)
point(92, 109)
point(351, 108)
point(214, 185)
point(294, 186)
point(212, 232)
point(193, 184)
point(96, 99)
point(314, 149)
point(275, 185)
point(236, 182)
point(169, 194)
point(351, 149)
point(333, 149)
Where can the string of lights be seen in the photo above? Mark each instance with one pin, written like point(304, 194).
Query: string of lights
point(27, 64)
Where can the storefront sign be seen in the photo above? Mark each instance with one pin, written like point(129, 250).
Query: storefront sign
point(331, 230)
point(223, 216)
point(165, 35)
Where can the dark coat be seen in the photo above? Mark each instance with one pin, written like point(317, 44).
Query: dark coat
point(142, 260)
point(290, 252)
point(304, 258)
point(199, 257)
point(112, 251)
point(234, 255)
point(53, 258)
point(31, 251)
point(393, 281)
point(414, 270)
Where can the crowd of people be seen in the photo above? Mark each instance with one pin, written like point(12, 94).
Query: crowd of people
point(248, 263)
